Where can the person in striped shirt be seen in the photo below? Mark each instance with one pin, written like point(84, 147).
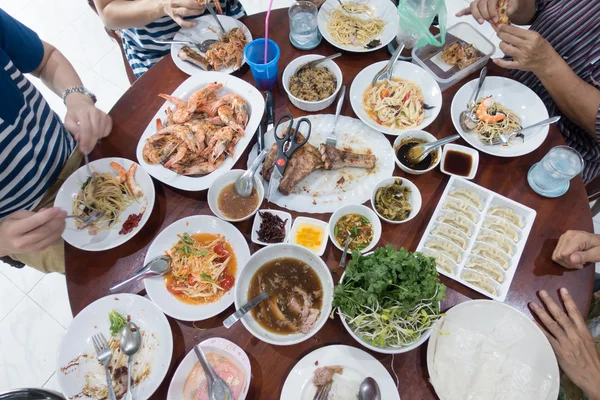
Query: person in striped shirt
point(38, 152)
point(141, 22)
point(559, 59)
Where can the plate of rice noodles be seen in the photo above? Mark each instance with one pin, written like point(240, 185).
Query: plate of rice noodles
point(207, 256)
point(396, 106)
point(360, 25)
point(120, 190)
point(503, 106)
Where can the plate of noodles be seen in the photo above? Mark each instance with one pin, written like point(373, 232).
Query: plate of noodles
point(207, 256)
point(504, 105)
point(395, 106)
point(360, 26)
point(122, 189)
point(227, 55)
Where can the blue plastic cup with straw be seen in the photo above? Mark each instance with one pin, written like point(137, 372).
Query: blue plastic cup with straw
point(264, 73)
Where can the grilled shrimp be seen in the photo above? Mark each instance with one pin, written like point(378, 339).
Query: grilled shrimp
point(181, 151)
point(235, 102)
point(131, 183)
point(120, 170)
point(217, 143)
point(482, 112)
point(227, 116)
point(203, 167)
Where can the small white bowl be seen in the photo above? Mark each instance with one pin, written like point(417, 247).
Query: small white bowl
point(414, 199)
point(224, 180)
point(311, 221)
point(356, 209)
point(428, 137)
point(311, 106)
point(285, 216)
point(463, 149)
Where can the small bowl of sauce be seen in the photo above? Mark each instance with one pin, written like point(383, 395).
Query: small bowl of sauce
point(310, 233)
point(407, 141)
point(460, 161)
point(225, 203)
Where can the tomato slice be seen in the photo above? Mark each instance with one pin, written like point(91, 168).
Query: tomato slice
point(227, 282)
point(191, 280)
point(220, 250)
point(406, 97)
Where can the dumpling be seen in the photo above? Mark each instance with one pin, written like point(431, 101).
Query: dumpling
point(457, 221)
point(479, 280)
point(486, 268)
point(469, 196)
point(491, 254)
point(502, 227)
point(508, 214)
point(443, 246)
point(461, 208)
point(442, 261)
point(497, 240)
point(452, 235)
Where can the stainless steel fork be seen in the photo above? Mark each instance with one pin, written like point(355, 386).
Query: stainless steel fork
point(323, 392)
point(332, 137)
point(104, 356)
point(505, 138)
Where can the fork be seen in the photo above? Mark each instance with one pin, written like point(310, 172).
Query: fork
point(104, 356)
point(323, 392)
point(332, 138)
point(504, 138)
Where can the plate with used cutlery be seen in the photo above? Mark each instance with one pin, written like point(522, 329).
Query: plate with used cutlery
point(321, 179)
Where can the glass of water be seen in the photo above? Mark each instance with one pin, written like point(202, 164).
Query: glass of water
point(550, 177)
point(304, 32)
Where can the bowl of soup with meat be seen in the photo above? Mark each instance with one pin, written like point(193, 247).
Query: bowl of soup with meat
point(300, 289)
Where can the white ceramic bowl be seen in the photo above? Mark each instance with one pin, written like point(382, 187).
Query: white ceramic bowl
point(285, 216)
point(315, 222)
point(356, 209)
point(414, 199)
point(262, 257)
point(463, 149)
point(428, 137)
point(224, 180)
point(311, 106)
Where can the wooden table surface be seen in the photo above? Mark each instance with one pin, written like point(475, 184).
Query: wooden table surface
point(89, 275)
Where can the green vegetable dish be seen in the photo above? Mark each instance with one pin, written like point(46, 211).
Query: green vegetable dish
point(117, 321)
point(392, 201)
point(390, 297)
point(358, 227)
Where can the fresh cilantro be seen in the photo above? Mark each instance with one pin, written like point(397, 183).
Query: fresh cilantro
point(117, 321)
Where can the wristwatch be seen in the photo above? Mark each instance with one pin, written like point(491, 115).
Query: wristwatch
point(78, 89)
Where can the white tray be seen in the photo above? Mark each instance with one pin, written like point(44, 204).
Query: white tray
point(488, 199)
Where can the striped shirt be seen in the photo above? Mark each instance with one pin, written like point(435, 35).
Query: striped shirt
point(573, 29)
point(141, 50)
point(34, 145)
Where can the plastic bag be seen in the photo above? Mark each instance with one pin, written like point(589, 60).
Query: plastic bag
point(415, 17)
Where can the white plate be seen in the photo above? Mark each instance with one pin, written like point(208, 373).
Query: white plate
point(517, 97)
point(206, 28)
point(109, 238)
point(219, 346)
point(156, 287)
point(94, 319)
point(319, 192)
point(383, 9)
point(405, 70)
point(231, 84)
point(358, 365)
point(507, 332)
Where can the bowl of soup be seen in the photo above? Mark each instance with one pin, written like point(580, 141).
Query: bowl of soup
point(357, 222)
point(300, 289)
point(226, 204)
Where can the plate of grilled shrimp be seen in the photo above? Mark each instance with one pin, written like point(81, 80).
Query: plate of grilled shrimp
point(225, 55)
point(201, 130)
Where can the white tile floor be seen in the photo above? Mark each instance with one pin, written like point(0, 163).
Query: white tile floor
point(34, 308)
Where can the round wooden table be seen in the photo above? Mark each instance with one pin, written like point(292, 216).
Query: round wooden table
point(89, 275)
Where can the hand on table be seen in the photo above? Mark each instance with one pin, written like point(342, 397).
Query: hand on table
point(571, 341)
point(487, 10)
point(87, 123)
point(529, 50)
point(27, 231)
point(178, 9)
point(576, 248)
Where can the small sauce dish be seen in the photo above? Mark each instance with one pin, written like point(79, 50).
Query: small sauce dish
point(223, 187)
point(310, 233)
point(459, 161)
point(405, 141)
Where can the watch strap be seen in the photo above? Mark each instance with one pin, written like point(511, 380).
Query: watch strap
point(78, 89)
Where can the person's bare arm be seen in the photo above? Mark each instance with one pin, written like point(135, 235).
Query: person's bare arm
point(123, 14)
point(520, 12)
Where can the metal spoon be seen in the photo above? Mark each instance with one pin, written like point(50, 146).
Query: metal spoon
point(217, 388)
point(155, 267)
point(369, 390)
point(203, 46)
point(345, 252)
point(386, 72)
point(418, 153)
point(467, 122)
point(244, 184)
point(90, 219)
point(131, 341)
point(243, 310)
point(212, 12)
point(316, 62)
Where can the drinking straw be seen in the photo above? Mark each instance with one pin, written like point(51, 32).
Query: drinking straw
point(267, 29)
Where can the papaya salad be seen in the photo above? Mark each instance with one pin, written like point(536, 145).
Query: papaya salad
point(203, 268)
point(397, 103)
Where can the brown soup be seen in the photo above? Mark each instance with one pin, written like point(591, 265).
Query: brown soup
point(295, 296)
point(236, 207)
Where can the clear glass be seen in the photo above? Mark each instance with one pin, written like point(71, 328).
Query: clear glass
point(550, 177)
point(304, 32)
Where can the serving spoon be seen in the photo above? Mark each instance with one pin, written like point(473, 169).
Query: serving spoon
point(466, 120)
point(131, 341)
point(369, 390)
point(155, 267)
point(418, 153)
point(316, 62)
point(217, 388)
point(244, 184)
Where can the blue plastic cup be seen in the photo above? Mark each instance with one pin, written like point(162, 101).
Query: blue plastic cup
point(265, 74)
